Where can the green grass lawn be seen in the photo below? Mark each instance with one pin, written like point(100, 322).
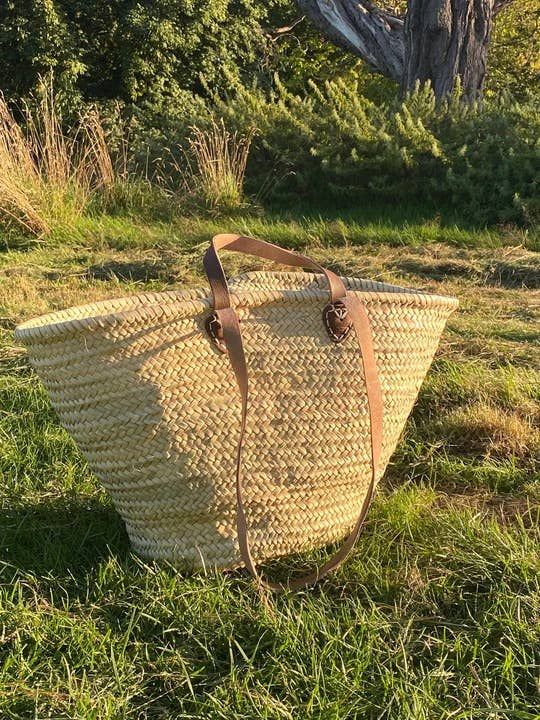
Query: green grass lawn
point(436, 614)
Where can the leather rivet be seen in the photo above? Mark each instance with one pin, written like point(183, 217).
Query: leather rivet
point(337, 322)
point(214, 329)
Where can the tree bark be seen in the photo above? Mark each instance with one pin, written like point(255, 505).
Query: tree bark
point(361, 28)
point(444, 40)
point(436, 40)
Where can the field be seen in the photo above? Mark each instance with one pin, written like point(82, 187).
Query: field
point(437, 613)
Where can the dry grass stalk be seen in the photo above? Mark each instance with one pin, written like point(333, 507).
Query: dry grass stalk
point(46, 176)
point(219, 165)
point(99, 164)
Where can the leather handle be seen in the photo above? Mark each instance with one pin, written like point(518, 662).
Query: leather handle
point(259, 248)
point(235, 349)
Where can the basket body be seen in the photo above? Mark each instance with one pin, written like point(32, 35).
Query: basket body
point(153, 406)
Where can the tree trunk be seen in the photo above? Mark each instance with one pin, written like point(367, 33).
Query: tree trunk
point(437, 40)
point(360, 28)
point(444, 40)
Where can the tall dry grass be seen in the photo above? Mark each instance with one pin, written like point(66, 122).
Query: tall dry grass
point(217, 160)
point(49, 177)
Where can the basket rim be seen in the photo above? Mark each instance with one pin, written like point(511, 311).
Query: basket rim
point(194, 301)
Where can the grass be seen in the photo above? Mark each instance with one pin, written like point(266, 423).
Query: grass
point(437, 613)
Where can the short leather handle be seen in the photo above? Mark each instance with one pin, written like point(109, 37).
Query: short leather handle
point(259, 248)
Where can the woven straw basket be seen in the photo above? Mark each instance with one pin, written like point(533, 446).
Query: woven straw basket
point(172, 396)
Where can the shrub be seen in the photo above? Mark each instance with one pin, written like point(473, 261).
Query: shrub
point(485, 160)
point(131, 51)
point(494, 162)
point(333, 142)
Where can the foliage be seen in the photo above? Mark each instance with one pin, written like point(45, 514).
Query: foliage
point(155, 135)
point(514, 55)
point(330, 143)
point(35, 39)
point(485, 159)
point(493, 167)
point(130, 50)
point(158, 69)
point(150, 53)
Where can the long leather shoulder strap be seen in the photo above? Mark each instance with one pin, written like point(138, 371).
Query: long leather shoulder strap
point(233, 341)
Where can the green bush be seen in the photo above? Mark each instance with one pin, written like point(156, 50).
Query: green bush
point(130, 50)
point(135, 50)
point(494, 162)
point(333, 140)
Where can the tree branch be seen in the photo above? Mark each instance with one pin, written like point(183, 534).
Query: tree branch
point(360, 27)
point(499, 5)
point(288, 28)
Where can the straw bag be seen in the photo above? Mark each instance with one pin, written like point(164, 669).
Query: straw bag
point(296, 384)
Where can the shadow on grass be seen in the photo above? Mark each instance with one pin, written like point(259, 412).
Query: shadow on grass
point(511, 275)
point(61, 536)
point(364, 208)
point(370, 209)
point(137, 271)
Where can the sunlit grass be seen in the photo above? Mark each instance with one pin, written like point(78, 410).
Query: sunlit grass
point(435, 615)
